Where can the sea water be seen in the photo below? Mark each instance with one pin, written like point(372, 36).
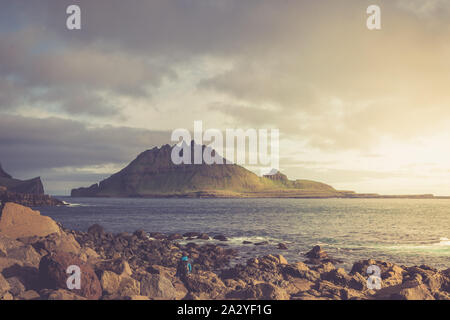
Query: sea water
point(403, 231)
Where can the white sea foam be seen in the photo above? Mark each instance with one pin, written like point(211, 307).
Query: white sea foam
point(72, 204)
point(236, 240)
point(443, 242)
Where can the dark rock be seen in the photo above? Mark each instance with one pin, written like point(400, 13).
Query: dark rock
point(282, 246)
point(52, 273)
point(16, 286)
point(261, 291)
point(175, 236)
point(206, 282)
point(220, 237)
point(157, 287)
point(203, 236)
point(262, 243)
point(317, 253)
point(158, 235)
point(96, 230)
point(191, 234)
point(318, 256)
point(141, 234)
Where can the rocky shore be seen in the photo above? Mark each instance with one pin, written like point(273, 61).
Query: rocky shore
point(28, 199)
point(35, 253)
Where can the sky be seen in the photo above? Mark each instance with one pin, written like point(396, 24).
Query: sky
point(363, 110)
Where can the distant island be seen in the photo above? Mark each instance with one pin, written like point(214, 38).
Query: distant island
point(25, 192)
point(153, 175)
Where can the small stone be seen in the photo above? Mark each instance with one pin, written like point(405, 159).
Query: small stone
point(220, 238)
point(282, 246)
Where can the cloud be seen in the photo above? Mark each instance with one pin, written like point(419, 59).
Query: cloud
point(75, 79)
point(30, 146)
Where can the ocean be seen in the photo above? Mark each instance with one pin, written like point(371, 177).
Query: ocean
point(403, 231)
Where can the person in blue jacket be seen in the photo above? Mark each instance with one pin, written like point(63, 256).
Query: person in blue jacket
point(184, 267)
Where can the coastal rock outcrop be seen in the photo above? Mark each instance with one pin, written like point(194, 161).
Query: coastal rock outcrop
point(128, 266)
point(24, 192)
point(17, 221)
point(32, 186)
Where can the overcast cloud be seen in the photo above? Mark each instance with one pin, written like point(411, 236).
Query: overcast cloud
point(97, 97)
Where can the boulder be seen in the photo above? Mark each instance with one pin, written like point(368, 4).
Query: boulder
point(6, 244)
point(118, 266)
point(300, 270)
point(158, 235)
point(411, 291)
point(26, 254)
point(220, 237)
point(6, 296)
point(261, 291)
point(206, 282)
point(52, 273)
point(96, 230)
point(29, 295)
point(316, 253)
point(89, 255)
point(282, 246)
point(158, 287)
point(16, 286)
point(17, 221)
point(296, 285)
point(6, 263)
point(121, 285)
point(137, 298)
point(191, 234)
point(433, 279)
point(391, 274)
point(61, 242)
point(337, 276)
point(141, 234)
point(62, 294)
point(273, 260)
point(175, 236)
point(329, 290)
point(4, 285)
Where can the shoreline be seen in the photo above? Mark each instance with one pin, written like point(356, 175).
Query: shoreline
point(197, 195)
point(35, 252)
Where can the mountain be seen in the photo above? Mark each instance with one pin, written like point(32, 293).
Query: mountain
point(32, 186)
point(3, 174)
point(153, 174)
point(24, 192)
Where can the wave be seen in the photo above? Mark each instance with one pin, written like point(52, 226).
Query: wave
point(239, 240)
point(443, 242)
point(68, 204)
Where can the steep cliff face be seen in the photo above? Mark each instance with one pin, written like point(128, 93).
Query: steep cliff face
point(3, 174)
point(153, 173)
point(32, 186)
point(24, 192)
